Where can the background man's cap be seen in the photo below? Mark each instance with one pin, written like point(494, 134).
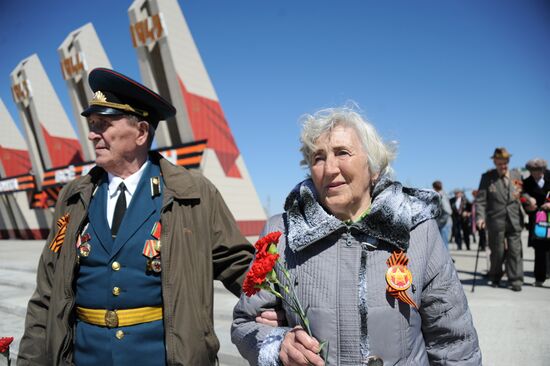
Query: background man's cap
point(501, 153)
point(117, 94)
point(536, 164)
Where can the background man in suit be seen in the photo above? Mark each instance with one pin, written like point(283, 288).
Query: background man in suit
point(498, 208)
point(462, 210)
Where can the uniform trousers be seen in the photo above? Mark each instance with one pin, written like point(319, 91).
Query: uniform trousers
point(513, 255)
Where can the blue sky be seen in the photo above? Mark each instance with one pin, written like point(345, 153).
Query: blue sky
point(448, 80)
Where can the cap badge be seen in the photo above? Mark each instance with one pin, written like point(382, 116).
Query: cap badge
point(99, 96)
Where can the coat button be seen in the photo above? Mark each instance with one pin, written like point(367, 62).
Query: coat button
point(119, 334)
point(116, 291)
point(115, 266)
point(373, 361)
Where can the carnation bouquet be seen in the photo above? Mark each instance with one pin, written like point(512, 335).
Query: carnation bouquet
point(262, 275)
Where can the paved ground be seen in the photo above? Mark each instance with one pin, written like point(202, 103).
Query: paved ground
point(513, 327)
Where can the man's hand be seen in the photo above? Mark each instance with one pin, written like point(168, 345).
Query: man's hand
point(480, 224)
point(531, 204)
point(546, 206)
point(273, 318)
point(299, 349)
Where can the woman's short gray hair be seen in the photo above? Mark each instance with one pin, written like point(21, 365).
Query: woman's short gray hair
point(536, 164)
point(379, 154)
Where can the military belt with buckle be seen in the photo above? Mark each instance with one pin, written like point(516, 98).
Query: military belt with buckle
point(119, 317)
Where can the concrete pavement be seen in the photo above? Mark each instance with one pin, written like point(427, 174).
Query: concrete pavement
point(512, 326)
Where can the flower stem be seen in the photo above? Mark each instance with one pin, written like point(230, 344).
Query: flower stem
point(296, 306)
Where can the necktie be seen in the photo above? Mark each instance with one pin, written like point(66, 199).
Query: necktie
point(505, 180)
point(120, 209)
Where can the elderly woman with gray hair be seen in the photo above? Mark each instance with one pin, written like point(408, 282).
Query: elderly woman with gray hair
point(536, 190)
point(369, 263)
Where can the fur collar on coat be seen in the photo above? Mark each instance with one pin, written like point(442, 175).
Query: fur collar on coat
point(394, 212)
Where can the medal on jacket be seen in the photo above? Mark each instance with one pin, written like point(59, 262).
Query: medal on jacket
point(84, 248)
point(399, 277)
point(155, 265)
point(151, 249)
point(82, 243)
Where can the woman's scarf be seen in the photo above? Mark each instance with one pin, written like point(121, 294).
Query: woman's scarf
point(394, 212)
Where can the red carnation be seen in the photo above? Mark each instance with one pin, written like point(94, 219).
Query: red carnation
point(262, 245)
point(5, 344)
point(256, 275)
point(273, 237)
point(262, 265)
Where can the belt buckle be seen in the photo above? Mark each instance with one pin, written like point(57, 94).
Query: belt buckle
point(111, 319)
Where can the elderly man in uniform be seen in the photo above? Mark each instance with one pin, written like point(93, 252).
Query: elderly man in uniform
point(498, 208)
point(126, 275)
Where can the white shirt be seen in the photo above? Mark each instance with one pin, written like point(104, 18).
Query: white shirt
point(131, 184)
point(540, 182)
point(458, 202)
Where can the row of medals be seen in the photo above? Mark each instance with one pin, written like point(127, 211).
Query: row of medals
point(151, 249)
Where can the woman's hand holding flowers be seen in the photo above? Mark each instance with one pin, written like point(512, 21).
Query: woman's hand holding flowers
point(299, 349)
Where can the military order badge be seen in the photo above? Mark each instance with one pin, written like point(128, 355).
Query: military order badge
point(399, 277)
point(85, 247)
point(82, 243)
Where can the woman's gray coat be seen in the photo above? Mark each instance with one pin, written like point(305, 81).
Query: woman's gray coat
point(340, 278)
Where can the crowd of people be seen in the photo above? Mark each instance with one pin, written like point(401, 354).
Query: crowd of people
point(503, 206)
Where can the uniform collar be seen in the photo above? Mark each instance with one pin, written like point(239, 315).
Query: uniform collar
point(180, 183)
point(130, 182)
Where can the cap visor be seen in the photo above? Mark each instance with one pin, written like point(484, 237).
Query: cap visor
point(102, 110)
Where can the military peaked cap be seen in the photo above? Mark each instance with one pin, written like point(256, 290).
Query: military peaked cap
point(117, 94)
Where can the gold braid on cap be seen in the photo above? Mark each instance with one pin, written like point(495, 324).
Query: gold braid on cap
point(100, 99)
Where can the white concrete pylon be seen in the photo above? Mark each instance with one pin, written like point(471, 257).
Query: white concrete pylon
point(17, 219)
point(80, 53)
point(170, 63)
point(50, 136)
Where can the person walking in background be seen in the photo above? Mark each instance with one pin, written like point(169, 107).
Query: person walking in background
point(498, 209)
point(536, 190)
point(444, 220)
point(462, 210)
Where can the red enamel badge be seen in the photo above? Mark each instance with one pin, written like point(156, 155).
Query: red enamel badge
point(399, 277)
